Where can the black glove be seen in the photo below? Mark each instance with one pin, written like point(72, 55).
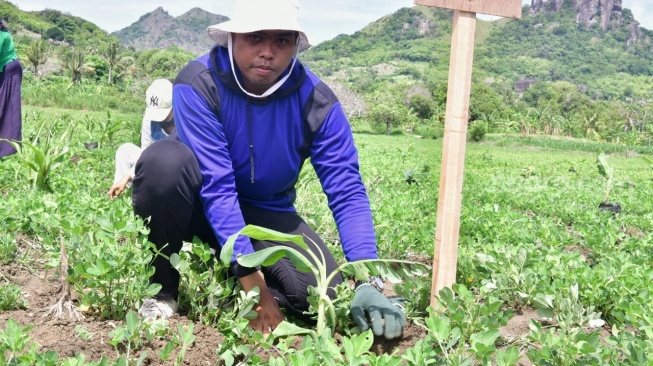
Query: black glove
point(385, 316)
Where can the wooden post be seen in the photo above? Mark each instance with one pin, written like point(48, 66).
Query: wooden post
point(445, 254)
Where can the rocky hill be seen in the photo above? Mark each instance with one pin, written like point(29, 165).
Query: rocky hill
point(158, 29)
point(584, 42)
point(609, 14)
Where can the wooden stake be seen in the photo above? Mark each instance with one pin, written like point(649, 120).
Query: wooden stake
point(447, 227)
point(445, 254)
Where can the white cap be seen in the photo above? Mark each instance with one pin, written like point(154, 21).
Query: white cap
point(256, 15)
point(159, 100)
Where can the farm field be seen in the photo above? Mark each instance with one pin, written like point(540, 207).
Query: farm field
point(544, 276)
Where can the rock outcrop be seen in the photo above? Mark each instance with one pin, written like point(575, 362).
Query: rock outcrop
point(588, 12)
point(158, 29)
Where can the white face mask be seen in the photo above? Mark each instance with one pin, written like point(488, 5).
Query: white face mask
point(274, 87)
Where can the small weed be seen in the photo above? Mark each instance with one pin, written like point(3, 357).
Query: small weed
point(83, 334)
point(11, 297)
point(8, 249)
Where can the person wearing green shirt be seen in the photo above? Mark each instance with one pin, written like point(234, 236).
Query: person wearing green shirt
point(11, 78)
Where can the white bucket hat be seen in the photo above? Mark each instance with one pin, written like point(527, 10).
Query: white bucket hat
point(158, 98)
point(255, 15)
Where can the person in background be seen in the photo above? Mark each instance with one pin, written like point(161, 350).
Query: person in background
point(158, 124)
point(248, 115)
point(11, 78)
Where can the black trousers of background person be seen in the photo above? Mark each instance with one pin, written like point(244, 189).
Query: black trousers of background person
point(166, 188)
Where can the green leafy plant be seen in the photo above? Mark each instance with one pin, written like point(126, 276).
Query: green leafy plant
point(135, 332)
point(477, 131)
point(394, 270)
point(322, 349)
point(626, 347)
point(14, 343)
point(100, 267)
point(511, 273)
point(104, 130)
point(416, 176)
point(240, 342)
point(11, 297)
point(445, 336)
point(7, 248)
point(607, 171)
point(321, 345)
point(186, 339)
point(470, 314)
point(41, 158)
point(567, 347)
point(206, 287)
point(83, 334)
point(442, 344)
point(568, 312)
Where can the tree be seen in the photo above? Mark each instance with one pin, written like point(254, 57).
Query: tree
point(387, 112)
point(162, 63)
point(484, 100)
point(112, 54)
point(125, 68)
point(37, 54)
point(74, 61)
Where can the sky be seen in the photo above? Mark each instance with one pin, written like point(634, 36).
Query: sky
point(321, 19)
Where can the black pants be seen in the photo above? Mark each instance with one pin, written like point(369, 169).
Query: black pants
point(166, 189)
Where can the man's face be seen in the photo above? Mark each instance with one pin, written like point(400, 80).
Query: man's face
point(262, 56)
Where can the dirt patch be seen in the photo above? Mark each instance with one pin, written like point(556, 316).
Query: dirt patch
point(584, 252)
point(633, 232)
point(516, 329)
point(63, 335)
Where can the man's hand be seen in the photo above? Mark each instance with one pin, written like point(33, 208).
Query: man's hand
point(119, 187)
point(269, 314)
point(370, 308)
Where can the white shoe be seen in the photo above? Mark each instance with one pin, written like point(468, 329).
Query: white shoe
point(155, 308)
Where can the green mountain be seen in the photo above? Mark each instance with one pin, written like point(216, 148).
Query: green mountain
point(158, 29)
point(554, 41)
point(561, 45)
point(52, 24)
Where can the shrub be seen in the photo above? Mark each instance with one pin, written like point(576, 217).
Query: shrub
point(477, 131)
point(55, 33)
point(421, 105)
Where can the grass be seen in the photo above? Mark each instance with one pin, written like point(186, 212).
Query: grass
point(566, 144)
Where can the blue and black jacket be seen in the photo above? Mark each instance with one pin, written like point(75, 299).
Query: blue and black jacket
point(251, 150)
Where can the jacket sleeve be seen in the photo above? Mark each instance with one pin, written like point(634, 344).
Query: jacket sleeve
point(335, 159)
point(199, 128)
point(146, 133)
